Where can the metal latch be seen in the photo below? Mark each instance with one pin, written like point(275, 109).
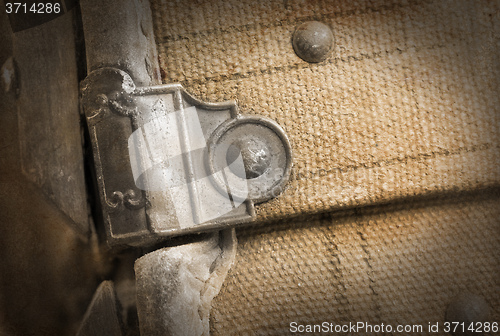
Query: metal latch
point(168, 164)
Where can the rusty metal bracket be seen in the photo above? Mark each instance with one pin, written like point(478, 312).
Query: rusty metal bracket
point(169, 164)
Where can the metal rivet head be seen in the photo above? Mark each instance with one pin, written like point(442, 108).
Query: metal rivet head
point(313, 41)
point(255, 154)
point(266, 158)
point(467, 308)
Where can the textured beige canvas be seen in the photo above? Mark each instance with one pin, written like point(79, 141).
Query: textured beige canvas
point(396, 141)
point(397, 265)
point(407, 104)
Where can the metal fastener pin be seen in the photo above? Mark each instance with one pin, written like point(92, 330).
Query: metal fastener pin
point(313, 41)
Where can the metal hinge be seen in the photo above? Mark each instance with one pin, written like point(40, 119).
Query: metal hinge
point(168, 164)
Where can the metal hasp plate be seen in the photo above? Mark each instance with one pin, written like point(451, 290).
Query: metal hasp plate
point(168, 164)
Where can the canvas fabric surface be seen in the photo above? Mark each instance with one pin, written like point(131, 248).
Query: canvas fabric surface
point(406, 107)
point(399, 265)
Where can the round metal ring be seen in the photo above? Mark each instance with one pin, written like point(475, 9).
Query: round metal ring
point(250, 128)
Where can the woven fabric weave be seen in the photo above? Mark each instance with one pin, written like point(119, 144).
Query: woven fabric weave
point(397, 265)
point(407, 107)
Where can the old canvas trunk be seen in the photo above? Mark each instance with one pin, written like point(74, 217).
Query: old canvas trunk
point(384, 120)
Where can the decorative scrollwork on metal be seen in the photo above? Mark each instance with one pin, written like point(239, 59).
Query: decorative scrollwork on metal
point(108, 89)
point(129, 199)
